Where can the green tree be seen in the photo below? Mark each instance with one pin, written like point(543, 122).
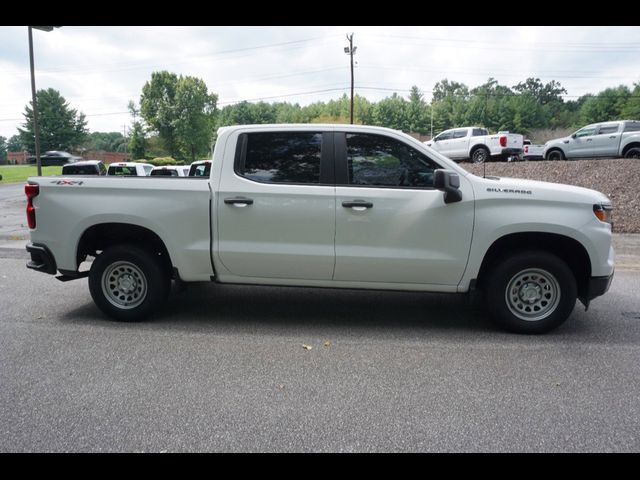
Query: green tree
point(631, 109)
point(3, 149)
point(15, 144)
point(392, 112)
point(445, 88)
point(544, 93)
point(606, 105)
point(158, 107)
point(137, 141)
point(418, 112)
point(61, 127)
point(106, 141)
point(549, 99)
point(195, 108)
point(450, 104)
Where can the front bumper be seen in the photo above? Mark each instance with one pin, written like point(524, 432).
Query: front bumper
point(595, 287)
point(42, 260)
point(598, 286)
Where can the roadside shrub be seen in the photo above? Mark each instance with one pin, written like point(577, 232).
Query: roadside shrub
point(162, 161)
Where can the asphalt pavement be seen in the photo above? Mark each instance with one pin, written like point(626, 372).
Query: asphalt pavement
point(223, 368)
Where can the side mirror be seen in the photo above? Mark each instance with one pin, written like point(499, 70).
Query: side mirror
point(449, 183)
point(573, 135)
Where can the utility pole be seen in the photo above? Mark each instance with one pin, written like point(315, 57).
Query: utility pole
point(431, 117)
point(124, 134)
point(351, 50)
point(36, 123)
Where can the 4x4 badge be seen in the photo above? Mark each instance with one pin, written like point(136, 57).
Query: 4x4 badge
point(68, 182)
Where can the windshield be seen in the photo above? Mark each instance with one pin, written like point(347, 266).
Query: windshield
point(122, 171)
point(164, 172)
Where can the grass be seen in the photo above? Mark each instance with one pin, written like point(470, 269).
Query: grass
point(20, 173)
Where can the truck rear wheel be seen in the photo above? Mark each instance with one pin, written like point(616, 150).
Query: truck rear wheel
point(128, 283)
point(531, 292)
point(480, 155)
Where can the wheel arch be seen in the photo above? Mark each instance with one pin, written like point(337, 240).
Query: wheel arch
point(566, 248)
point(475, 148)
point(478, 146)
point(554, 149)
point(629, 147)
point(101, 236)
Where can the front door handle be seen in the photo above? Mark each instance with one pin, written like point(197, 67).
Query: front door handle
point(358, 205)
point(589, 139)
point(612, 136)
point(238, 201)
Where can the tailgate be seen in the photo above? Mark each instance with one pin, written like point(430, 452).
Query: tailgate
point(514, 140)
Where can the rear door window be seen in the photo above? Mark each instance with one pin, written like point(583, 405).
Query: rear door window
point(604, 129)
point(281, 157)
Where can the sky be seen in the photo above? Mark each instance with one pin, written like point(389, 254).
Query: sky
point(99, 69)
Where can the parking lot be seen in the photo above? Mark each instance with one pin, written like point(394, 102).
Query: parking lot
point(223, 368)
point(229, 368)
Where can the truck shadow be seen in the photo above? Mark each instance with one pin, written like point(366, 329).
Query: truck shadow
point(258, 309)
point(247, 310)
point(293, 306)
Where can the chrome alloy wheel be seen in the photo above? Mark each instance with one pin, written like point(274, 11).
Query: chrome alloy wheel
point(532, 294)
point(124, 285)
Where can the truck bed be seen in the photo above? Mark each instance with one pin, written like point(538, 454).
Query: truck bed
point(175, 208)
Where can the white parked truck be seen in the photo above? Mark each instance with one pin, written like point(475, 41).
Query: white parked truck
point(608, 139)
point(170, 171)
point(476, 145)
point(340, 206)
point(129, 169)
point(531, 151)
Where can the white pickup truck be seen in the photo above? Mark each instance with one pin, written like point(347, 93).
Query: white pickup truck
point(327, 206)
point(608, 139)
point(531, 151)
point(130, 169)
point(475, 144)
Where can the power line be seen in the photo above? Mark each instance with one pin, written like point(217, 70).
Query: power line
point(547, 47)
point(88, 69)
point(257, 99)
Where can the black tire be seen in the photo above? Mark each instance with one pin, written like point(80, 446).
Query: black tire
point(633, 152)
point(530, 292)
point(480, 155)
point(555, 155)
point(128, 283)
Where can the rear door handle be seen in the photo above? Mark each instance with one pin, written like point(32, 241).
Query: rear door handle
point(238, 201)
point(359, 205)
point(612, 136)
point(589, 139)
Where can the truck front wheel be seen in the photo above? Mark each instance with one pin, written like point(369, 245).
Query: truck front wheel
point(531, 292)
point(555, 155)
point(128, 283)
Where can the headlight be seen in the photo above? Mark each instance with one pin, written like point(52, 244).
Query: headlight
point(603, 212)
